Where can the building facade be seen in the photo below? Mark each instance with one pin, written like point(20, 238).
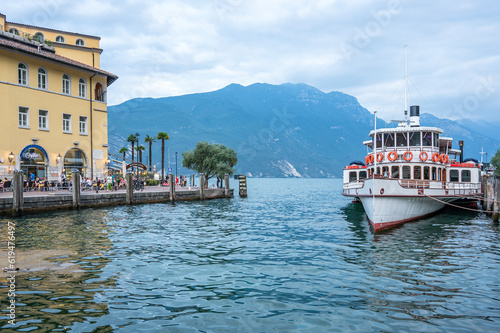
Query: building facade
point(53, 102)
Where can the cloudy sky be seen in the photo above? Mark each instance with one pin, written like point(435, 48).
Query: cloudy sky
point(175, 47)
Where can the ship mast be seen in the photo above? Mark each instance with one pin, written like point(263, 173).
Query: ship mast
point(406, 88)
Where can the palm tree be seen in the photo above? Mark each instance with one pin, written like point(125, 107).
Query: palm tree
point(132, 139)
point(140, 149)
point(162, 136)
point(148, 139)
point(123, 151)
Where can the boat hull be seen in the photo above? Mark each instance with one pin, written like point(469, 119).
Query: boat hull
point(387, 212)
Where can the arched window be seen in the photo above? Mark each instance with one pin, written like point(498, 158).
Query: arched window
point(66, 84)
point(82, 88)
point(39, 37)
point(22, 74)
point(42, 78)
point(80, 42)
point(14, 31)
point(60, 39)
point(99, 92)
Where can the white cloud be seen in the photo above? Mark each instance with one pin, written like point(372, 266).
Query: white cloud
point(174, 47)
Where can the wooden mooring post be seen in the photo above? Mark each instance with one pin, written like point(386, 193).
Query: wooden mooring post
point(76, 189)
point(491, 196)
point(202, 186)
point(243, 186)
point(17, 193)
point(172, 180)
point(129, 197)
point(496, 199)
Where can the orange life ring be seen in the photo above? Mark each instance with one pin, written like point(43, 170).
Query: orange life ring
point(380, 157)
point(423, 156)
point(394, 156)
point(366, 160)
point(444, 158)
point(435, 157)
point(408, 158)
point(370, 158)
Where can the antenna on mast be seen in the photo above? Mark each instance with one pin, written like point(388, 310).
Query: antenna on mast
point(406, 87)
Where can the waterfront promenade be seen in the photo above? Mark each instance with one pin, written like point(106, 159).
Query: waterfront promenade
point(36, 201)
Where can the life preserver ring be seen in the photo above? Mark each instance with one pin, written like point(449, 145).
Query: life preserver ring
point(392, 156)
point(370, 158)
point(423, 156)
point(444, 158)
point(407, 159)
point(435, 157)
point(380, 157)
point(366, 160)
point(381, 191)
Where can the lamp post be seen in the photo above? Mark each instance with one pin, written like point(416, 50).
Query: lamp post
point(175, 166)
point(137, 157)
point(11, 158)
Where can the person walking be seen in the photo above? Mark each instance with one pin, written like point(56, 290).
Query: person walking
point(109, 182)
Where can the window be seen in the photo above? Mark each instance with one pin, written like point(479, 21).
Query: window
point(352, 176)
point(99, 92)
point(42, 78)
point(385, 172)
point(379, 140)
point(389, 140)
point(82, 88)
point(39, 37)
point(14, 31)
point(22, 74)
point(83, 125)
point(395, 172)
point(434, 174)
point(24, 117)
point(60, 39)
point(66, 83)
point(436, 140)
point(406, 172)
point(426, 173)
point(43, 119)
point(66, 123)
point(417, 172)
point(362, 175)
point(427, 139)
point(80, 42)
point(415, 139)
point(453, 175)
point(401, 140)
point(466, 175)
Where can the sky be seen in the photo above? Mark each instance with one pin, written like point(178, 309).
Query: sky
point(177, 47)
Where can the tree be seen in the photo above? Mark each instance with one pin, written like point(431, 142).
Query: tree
point(132, 139)
point(495, 162)
point(211, 159)
point(123, 151)
point(162, 136)
point(139, 150)
point(149, 140)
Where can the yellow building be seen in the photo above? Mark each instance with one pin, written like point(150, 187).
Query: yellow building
point(53, 107)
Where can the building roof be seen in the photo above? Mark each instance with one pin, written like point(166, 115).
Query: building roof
point(49, 29)
point(9, 43)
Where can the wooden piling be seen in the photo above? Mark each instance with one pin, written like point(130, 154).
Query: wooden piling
point(130, 189)
point(496, 198)
point(202, 186)
point(172, 187)
point(76, 189)
point(226, 183)
point(243, 186)
point(17, 193)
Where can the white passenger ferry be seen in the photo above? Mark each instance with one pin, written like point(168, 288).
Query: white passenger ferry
point(410, 173)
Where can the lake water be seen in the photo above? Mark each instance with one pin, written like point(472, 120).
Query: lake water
point(295, 256)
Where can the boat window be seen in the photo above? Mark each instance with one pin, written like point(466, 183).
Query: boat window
point(385, 172)
point(453, 175)
point(395, 172)
point(415, 139)
point(417, 173)
point(436, 140)
point(427, 139)
point(434, 174)
point(378, 170)
point(389, 140)
point(352, 176)
point(466, 175)
point(406, 172)
point(426, 173)
point(379, 140)
point(401, 140)
point(362, 175)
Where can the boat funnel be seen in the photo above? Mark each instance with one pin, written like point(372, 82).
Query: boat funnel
point(414, 116)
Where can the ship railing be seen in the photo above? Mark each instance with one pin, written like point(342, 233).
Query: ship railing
point(414, 183)
point(354, 184)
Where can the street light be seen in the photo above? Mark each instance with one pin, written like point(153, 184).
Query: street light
point(175, 166)
point(137, 135)
point(11, 157)
point(58, 158)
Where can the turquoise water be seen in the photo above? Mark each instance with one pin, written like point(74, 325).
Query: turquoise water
point(295, 256)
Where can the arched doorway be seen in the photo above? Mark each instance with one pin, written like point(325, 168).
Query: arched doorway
point(74, 160)
point(34, 159)
point(99, 92)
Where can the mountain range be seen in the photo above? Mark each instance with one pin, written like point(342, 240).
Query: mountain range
point(287, 130)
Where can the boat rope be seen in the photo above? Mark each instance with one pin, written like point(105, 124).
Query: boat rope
point(457, 206)
point(485, 199)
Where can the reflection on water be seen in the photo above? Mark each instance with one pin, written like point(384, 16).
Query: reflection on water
point(295, 256)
